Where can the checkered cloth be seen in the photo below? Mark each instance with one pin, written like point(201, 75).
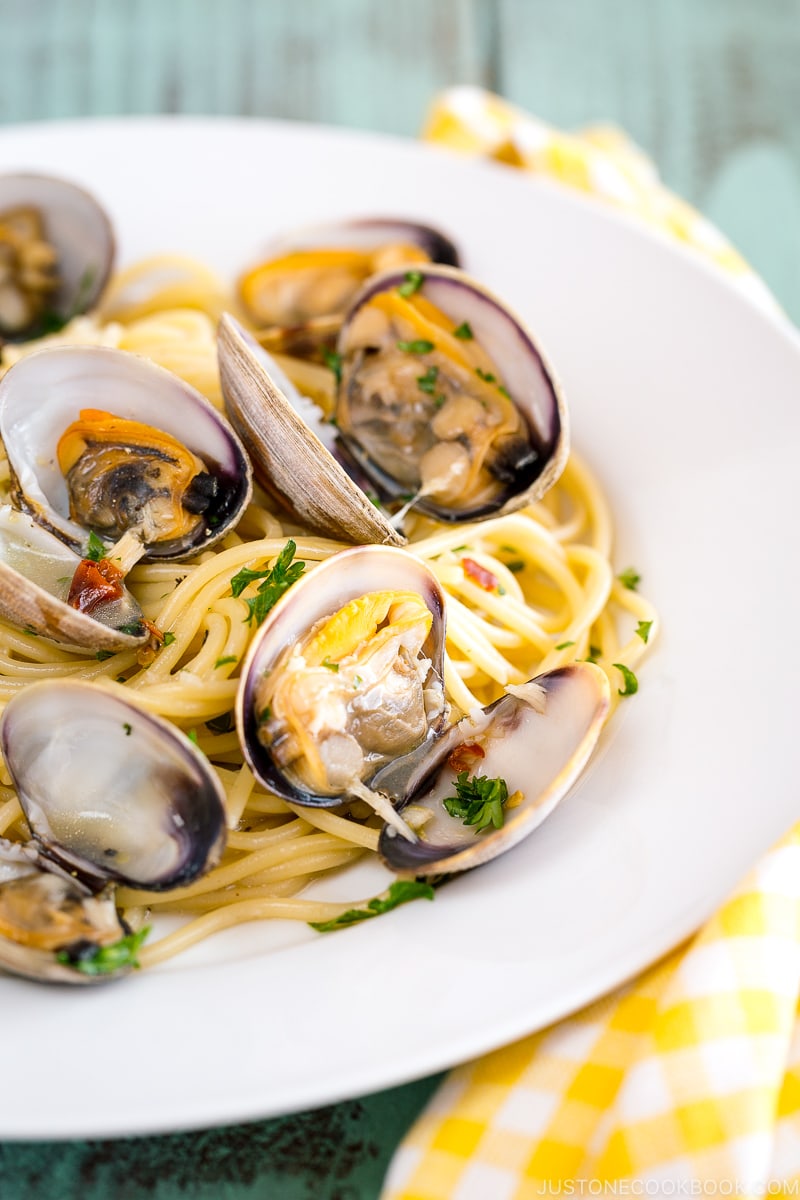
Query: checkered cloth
point(687, 1081)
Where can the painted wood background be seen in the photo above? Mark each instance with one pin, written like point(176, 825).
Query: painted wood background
point(710, 88)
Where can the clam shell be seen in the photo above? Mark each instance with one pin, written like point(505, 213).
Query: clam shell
point(543, 737)
point(79, 228)
point(111, 792)
point(528, 376)
point(366, 233)
point(42, 394)
point(32, 561)
point(331, 585)
point(289, 457)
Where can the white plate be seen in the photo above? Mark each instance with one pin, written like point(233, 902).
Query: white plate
point(684, 399)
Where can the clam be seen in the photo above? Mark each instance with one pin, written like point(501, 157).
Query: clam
point(490, 779)
point(56, 253)
point(299, 294)
point(344, 675)
point(50, 922)
point(445, 398)
point(104, 441)
point(38, 594)
point(445, 404)
point(111, 793)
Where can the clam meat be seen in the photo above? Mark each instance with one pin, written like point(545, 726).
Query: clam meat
point(445, 399)
point(298, 296)
point(344, 676)
point(104, 441)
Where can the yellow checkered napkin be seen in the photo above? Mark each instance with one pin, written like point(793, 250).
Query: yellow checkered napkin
point(686, 1082)
point(690, 1075)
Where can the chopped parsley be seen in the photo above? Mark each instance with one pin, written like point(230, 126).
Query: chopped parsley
point(630, 578)
point(631, 682)
point(95, 548)
point(486, 376)
point(427, 382)
point(412, 283)
point(192, 736)
point(334, 362)
point(478, 801)
point(128, 729)
point(439, 400)
point(399, 892)
point(102, 655)
point(332, 666)
point(595, 652)
point(643, 630)
point(223, 662)
point(564, 645)
point(274, 582)
point(516, 566)
point(169, 638)
point(503, 391)
point(104, 960)
point(264, 715)
point(418, 346)
point(464, 332)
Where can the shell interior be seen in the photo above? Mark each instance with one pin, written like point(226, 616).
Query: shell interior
point(110, 791)
point(538, 740)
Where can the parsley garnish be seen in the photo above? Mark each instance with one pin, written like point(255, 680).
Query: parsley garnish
point(643, 630)
point(564, 645)
point(478, 801)
point(399, 892)
point(192, 736)
point(503, 391)
point(229, 658)
point(102, 655)
point(420, 346)
point(595, 652)
point(464, 332)
point(631, 682)
point(134, 629)
point(332, 666)
point(128, 729)
point(275, 581)
point(427, 382)
point(439, 400)
point(485, 376)
point(413, 282)
point(516, 566)
point(630, 578)
point(95, 548)
point(334, 362)
point(264, 715)
point(169, 638)
point(104, 960)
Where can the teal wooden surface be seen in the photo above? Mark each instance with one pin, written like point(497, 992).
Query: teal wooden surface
point(710, 88)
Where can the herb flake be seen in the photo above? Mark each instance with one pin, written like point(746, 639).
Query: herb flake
point(412, 283)
point(95, 548)
point(334, 362)
point(105, 960)
point(400, 892)
point(417, 346)
point(478, 801)
point(427, 382)
point(630, 680)
point(630, 578)
point(643, 630)
point(274, 582)
point(464, 332)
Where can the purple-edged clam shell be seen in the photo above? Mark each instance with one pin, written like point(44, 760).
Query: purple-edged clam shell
point(329, 587)
point(527, 375)
point(366, 233)
point(538, 740)
point(42, 394)
point(110, 791)
point(79, 229)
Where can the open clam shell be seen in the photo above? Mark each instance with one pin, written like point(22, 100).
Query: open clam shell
point(43, 394)
point(35, 572)
point(365, 706)
point(47, 916)
point(77, 227)
point(291, 448)
point(111, 793)
point(538, 739)
point(301, 289)
point(421, 415)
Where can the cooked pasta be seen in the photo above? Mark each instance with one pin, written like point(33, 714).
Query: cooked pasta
point(527, 592)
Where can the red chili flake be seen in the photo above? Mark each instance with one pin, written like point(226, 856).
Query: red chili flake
point(464, 757)
point(480, 575)
point(93, 584)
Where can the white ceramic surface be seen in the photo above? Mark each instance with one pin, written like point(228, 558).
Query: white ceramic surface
point(684, 398)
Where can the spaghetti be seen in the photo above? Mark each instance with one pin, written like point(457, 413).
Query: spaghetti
point(527, 592)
